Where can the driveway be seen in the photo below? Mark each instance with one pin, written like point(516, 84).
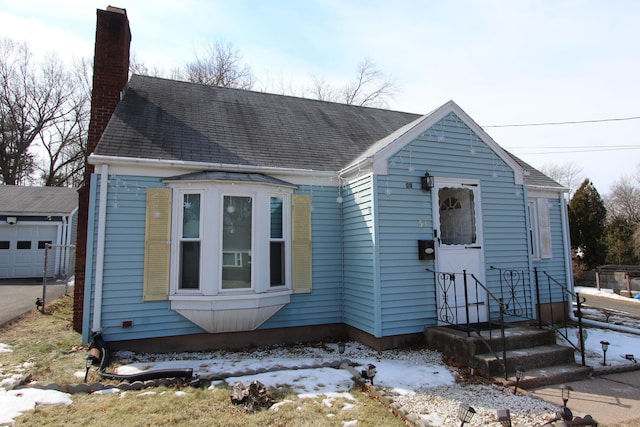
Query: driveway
point(626, 305)
point(18, 296)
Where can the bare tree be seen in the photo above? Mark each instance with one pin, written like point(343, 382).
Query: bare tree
point(623, 200)
point(64, 145)
point(636, 241)
point(371, 87)
point(220, 65)
point(568, 174)
point(34, 99)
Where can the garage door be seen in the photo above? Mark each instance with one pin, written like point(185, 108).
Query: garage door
point(22, 248)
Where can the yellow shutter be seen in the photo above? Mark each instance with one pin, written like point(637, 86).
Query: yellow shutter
point(301, 243)
point(157, 247)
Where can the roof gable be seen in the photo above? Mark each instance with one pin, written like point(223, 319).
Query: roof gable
point(380, 152)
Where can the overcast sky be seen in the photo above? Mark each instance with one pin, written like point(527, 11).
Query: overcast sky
point(503, 61)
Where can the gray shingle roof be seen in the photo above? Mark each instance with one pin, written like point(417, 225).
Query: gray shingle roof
point(534, 177)
point(173, 120)
point(17, 200)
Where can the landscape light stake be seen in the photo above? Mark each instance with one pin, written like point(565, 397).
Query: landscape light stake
point(605, 347)
point(369, 372)
point(519, 376)
point(465, 413)
point(341, 349)
point(566, 391)
point(504, 417)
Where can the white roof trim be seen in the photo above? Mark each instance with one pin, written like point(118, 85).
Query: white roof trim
point(377, 156)
point(97, 159)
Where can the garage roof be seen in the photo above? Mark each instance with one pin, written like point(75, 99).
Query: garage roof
point(19, 200)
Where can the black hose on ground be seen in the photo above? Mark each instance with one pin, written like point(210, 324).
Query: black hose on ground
point(105, 355)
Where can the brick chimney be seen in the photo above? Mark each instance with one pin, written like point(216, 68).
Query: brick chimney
point(110, 75)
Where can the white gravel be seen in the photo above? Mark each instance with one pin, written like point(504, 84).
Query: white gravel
point(438, 406)
point(433, 406)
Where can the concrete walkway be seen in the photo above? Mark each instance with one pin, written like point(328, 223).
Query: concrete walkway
point(18, 296)
point(611, 399)
point(612, 395)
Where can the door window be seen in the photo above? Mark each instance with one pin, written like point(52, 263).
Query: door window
point(457, 216)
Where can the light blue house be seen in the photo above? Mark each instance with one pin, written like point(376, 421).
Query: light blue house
point(220, 217)
point(224, 217)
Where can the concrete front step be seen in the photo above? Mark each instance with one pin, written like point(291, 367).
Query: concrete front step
point(529, 358)
point(535, 349)
point(548, 375)
point(456, 343)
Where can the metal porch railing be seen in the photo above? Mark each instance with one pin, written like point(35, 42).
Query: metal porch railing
point(561, 327)
point(513, 300)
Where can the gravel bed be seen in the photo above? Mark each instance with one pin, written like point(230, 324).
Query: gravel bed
point(429, 406)
point(439, 406)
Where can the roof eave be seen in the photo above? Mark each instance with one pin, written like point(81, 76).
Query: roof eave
point(97, 159)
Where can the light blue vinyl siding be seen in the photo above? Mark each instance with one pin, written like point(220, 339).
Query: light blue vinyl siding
point(324, 304)
point(124, 257)
point(123, 266)
point(360, 294)
point(449, 149)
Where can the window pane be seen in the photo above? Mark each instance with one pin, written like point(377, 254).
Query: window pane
point(43, 243)
point(4, 244)
point(457, 216)
point(276, 263)
point(276, 217)
point(24, 244)
point(191, 216)
point(189, 265)
point(236, 239)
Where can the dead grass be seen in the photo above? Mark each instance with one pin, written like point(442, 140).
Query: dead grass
point(49, 343)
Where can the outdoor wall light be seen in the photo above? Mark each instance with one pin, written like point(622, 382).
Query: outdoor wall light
point(504, 417)
point(519, 376)
point(369, 372)
point(426, 182)
point(566, 391)
point(605, 347)
point(465, 413)
point(12, 220)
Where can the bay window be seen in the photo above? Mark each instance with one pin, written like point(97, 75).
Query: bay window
point(232, 238)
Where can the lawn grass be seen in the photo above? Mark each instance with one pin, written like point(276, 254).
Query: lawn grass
point(52, 353)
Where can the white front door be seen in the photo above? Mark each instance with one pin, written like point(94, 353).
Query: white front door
point(458, 234)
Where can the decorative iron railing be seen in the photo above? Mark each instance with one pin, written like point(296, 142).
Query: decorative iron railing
point(474, 308)
point(560, 323)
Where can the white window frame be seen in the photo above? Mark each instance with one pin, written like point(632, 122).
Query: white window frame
point(179, 215)
point(534, 230)
point(540, 228)
point(211, 255)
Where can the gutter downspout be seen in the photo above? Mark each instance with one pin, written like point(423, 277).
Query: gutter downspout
point(102, 220)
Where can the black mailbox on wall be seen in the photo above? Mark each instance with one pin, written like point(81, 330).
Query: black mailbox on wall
point(426, 249)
